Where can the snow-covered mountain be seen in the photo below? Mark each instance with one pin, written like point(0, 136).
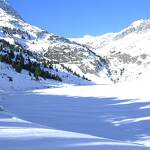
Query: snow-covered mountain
point(36, 45)
point(111, 57)
point(128, 51)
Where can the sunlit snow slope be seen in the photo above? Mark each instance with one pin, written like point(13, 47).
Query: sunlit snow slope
point(128, 51)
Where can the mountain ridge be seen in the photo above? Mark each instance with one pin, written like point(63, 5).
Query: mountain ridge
point(126, 51)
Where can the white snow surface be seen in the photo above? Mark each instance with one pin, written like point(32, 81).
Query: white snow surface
point(95, 117)
point(22, 81)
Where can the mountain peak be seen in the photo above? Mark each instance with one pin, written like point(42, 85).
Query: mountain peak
point(137, 26)
point(3, 0)
point(4, 5)
point(141, 23)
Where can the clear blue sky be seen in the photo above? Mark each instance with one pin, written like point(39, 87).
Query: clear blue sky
point(75, 18)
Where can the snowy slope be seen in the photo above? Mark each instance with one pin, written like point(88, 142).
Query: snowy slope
point(18, 38)
point(77, 117)
point(58, 50)
point(25, 82)
point(128, 52)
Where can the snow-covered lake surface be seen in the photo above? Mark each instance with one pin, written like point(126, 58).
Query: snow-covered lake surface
point(97, 117)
